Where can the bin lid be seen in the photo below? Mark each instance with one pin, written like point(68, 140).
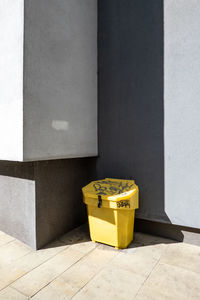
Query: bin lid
point(110, 189)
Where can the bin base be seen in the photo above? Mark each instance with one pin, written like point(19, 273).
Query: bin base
point(111, 226)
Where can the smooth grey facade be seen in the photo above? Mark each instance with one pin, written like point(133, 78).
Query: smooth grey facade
point(48, 79)
point(182, 111)
point(60, 79)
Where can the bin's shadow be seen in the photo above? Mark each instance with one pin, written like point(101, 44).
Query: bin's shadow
point(77, 236)
point(81, 235)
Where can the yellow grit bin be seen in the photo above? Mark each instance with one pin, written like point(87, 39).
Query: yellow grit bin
point(111, 205)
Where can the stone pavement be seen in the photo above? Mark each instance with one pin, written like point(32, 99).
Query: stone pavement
point(73, 267)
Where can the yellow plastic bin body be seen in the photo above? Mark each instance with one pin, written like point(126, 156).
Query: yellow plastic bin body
point(111, 205)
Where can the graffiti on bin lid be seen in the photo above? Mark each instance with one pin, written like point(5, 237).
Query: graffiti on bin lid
point(109, 187)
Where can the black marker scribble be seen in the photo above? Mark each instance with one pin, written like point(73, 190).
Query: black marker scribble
point(101, 190)
point(123, 204)
point(113, 187)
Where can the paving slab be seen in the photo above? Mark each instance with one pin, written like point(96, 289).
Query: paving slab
point(77, 276)
point(171, 282)
point(14, 270)
point(38, 278)
point(5, 239)
point(12, 251)
point(112, 283)
point(183, 255)
point(11, 294)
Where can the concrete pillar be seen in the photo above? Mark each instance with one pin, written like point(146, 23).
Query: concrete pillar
point(48, 79)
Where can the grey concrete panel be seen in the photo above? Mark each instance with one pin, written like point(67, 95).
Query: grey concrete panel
point(182, 111)
point(17, 209)
point(48, 79)
point(60, 79)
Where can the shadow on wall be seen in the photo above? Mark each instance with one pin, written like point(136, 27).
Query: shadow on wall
point(131, 91)
point(60, 207)
point(17, 169)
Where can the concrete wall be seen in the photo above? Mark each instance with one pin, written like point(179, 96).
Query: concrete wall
point(60, 79)
point(48, 79)
point(182, 111)
point(18, 205)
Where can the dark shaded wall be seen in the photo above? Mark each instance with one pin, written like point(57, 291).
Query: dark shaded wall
point(59, 205)
point(131, 117)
